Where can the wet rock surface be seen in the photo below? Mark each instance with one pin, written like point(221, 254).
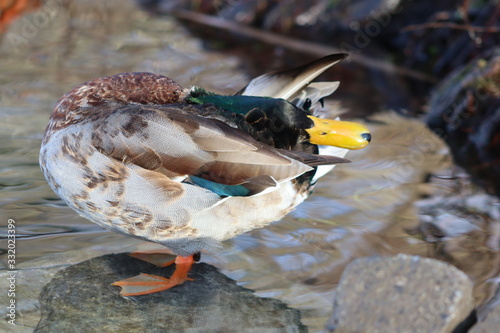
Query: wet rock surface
point(401, 293)
point(81, 296)
point(464, 110)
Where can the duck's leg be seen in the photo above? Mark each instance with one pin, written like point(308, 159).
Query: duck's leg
point(144, 284)
point(154, 258)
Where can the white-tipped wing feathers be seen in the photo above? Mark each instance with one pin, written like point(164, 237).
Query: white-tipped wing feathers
point(287, 84)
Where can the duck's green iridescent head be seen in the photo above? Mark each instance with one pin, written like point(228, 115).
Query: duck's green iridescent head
point(343, 134)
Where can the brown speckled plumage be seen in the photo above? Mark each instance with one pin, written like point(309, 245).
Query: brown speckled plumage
point(83, 102)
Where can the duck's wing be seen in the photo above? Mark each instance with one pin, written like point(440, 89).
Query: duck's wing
point(184, 146)
point(295, 83)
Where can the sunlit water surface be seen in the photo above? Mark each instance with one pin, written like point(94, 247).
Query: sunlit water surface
point(362, 209)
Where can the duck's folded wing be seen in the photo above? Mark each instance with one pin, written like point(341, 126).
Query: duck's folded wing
point(177, 144)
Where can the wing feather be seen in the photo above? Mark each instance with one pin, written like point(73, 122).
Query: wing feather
point(168, 141)
point(287, 84)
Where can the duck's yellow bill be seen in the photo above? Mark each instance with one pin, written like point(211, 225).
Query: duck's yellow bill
point(343, 134)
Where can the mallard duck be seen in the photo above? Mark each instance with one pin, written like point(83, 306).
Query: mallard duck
point(187, 168)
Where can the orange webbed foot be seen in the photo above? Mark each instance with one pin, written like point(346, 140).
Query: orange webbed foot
point(144, 284)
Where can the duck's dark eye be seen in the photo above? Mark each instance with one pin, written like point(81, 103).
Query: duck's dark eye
point(307, 104)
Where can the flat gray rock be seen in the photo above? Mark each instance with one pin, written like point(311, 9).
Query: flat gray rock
point(400, 294)
point(80, 298)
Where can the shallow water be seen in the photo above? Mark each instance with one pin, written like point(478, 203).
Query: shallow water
point(361, 209)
